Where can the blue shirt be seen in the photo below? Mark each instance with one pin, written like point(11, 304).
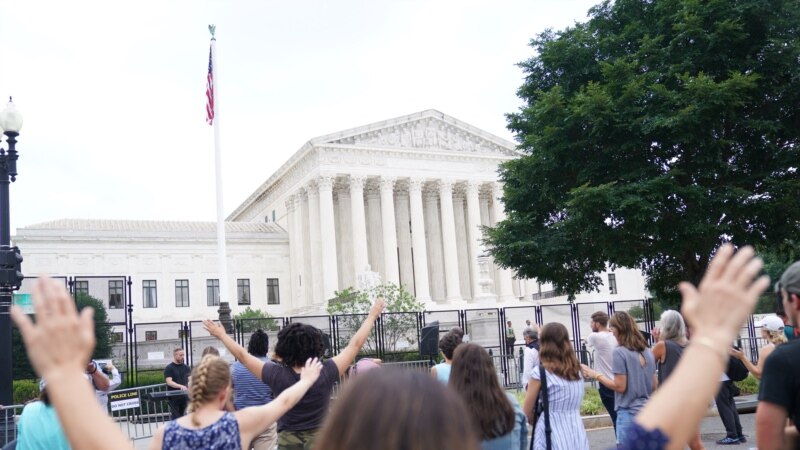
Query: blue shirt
point(517, 438)
point(39, 429)
point(443, 372)
point(247, 389)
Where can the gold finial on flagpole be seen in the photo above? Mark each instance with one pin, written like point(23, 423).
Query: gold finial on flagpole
point(212, 29)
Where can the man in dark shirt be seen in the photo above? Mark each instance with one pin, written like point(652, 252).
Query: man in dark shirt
point(176, 375)
point(779, 394)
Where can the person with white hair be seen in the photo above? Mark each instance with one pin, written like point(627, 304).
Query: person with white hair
point(672, 341)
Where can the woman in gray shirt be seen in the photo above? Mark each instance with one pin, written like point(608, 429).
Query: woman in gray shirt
point(634, 370)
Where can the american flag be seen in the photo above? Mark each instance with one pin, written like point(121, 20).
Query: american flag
point(210, 91)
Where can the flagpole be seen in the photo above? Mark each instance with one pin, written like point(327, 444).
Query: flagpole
point(221, 251)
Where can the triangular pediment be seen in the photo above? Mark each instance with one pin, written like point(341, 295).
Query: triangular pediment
point(429, 129)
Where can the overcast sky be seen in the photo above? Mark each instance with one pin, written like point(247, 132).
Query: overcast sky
point(112, 93)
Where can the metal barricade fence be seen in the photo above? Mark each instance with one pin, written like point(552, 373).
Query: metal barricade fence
point(508, 371)
point(8, 423)
point(137, 415)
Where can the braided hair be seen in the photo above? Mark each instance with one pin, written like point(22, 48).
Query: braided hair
point(209, 378)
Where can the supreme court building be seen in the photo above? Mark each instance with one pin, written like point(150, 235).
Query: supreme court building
point(404, 197)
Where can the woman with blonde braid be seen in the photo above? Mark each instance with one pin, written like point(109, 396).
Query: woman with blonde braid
point(208, 426)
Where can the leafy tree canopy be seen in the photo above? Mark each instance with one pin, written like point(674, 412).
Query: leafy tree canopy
point(102, 333)
point(651, 134)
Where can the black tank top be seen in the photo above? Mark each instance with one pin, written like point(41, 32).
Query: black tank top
point(673, 353)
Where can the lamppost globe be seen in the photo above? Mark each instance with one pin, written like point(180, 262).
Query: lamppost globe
point(10, 118)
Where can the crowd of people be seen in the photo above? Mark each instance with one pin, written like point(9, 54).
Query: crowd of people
point(656, 397)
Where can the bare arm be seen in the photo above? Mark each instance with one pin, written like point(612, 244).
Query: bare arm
point(348, 355)
point(99, 379)
point(253, 364)
point(254, 420)
point(433, 371)
point(173, 384)
point(529, 406)
point(617, 384)
point(660, 351)
point(770, 423)
point(58, 345)
point(728, 285)
point(158, 439)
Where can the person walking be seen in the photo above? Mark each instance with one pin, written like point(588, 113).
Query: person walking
point(176, 376)
point(634, 369)
point(603, 342)
point(565, 389)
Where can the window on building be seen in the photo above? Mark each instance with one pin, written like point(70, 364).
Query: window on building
point(81, 287)
point(115, 294)
point(117, 337)
point(243, 291)
point(150, 336)
point(149, 299)
point(273, 293)
point(612, 283)
point(212, 292)
point(182, 293)
point(273, 215)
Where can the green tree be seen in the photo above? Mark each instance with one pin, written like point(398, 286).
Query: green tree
point(399, 321)
point(651, 134)
point(102, 333)
point(251, 320)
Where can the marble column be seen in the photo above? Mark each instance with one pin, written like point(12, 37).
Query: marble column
point(420, 253)
point(298, 285)
point(372, 195)
point(474, 235)
point(453, 290)
point(315, 242)
point(294, 257)
point(330, 274)
point(359, 224)
point(403, 222)
point(344, 246)
point(433, 230)
point(505, 289)
point(462, 243)
point(391, 270)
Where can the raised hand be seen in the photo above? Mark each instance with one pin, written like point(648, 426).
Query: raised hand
point(311, 370)
point(656, 334)
point(377, 307)
point(61, 341)
point(736, 354)
point(726, 296)
point(215, 329)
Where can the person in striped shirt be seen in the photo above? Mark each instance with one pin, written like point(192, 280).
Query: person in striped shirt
point(251, 391)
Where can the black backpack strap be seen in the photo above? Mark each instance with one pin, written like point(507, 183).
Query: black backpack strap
point(546, 411)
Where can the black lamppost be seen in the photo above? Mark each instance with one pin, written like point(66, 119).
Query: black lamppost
point(10, 259)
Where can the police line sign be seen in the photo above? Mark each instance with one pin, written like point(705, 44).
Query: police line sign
point(122, 400)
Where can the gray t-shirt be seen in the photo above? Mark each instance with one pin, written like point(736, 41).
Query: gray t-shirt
point(640, 379)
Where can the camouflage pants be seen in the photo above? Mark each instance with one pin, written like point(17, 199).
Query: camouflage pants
point(296, 440)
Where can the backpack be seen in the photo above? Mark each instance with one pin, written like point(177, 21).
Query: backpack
point(737, 371)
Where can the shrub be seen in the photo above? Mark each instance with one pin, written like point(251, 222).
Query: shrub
point(25, 390)
point(749, 385)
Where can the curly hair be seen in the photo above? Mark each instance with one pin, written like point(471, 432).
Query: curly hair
point(209, 378)
point(449, 342)
point(259, 343)
point(298, 342)
point(474, 377)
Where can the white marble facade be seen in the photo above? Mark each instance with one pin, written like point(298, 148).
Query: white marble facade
point(406, 197)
